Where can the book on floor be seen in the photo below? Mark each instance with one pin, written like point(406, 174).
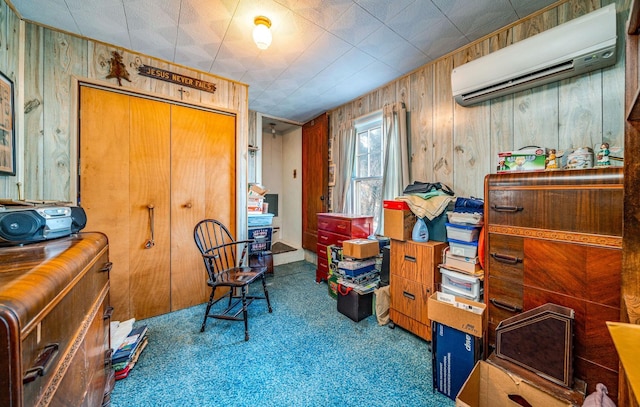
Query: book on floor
point(129, 346)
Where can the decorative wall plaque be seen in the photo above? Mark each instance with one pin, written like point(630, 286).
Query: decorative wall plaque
point(168, 76)
point(118, 70)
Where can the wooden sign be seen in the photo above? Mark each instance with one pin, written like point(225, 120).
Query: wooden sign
point(167, 76)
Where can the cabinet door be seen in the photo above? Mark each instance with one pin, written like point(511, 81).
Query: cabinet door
point(202, 186)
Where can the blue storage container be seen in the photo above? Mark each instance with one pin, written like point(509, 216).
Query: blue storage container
point(264, 219)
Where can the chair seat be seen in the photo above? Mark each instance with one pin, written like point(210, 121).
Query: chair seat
point(237, 277)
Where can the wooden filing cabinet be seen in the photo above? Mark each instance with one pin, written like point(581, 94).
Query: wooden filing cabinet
point(54, 323)
point(335, 228)
point(413, 276)
point(556, 237)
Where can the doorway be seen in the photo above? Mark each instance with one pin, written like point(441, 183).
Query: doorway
point(280, 149)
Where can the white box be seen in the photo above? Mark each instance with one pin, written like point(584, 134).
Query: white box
point(465, 218)
point(461, 284)
point(469, 265)
point(464, 249)
point(464, 233)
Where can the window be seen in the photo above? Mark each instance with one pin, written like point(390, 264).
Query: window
point(366, 181)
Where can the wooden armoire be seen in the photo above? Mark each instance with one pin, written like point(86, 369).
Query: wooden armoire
point(149, 170)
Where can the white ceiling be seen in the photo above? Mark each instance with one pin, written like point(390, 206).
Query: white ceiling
point(324, 52)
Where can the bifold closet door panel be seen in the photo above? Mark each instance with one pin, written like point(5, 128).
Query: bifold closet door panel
point(104, 181)
point(150, 191)
point(202, 186)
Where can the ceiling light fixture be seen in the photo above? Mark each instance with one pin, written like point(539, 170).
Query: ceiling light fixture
point(273, 129)
point(261, 32)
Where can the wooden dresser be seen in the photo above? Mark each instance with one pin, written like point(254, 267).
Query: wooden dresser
point(556, 237)
point(54, 323)
point(413, 275)
point(335, 228)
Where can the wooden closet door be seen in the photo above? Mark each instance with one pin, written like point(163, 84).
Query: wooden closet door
point(104, 181)
point(150, 183)
point(203, 174)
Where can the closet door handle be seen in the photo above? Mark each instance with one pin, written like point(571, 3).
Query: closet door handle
point(503, 258)
point(505, 306)
point(151, 242)
point(499, 208)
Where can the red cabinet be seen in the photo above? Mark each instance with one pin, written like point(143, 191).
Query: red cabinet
point(335, 228)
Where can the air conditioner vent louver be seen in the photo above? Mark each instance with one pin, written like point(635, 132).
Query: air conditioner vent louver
point(578, 46)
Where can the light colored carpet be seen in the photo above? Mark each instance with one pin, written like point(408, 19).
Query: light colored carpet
point(303, 354)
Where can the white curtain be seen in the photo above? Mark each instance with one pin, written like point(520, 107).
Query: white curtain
point(345, 146)
point(396, 156)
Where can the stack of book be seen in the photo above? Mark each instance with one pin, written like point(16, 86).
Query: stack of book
point(126, 356)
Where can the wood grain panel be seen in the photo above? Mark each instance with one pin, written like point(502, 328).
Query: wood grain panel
point(443, 129)
point(421, 124)
point(104, 182)
point(150, 179)
point(65, 58)
point(202, 182)
point(34, 114)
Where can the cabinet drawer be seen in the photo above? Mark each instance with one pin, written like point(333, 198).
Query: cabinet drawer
point(506, 257)
point(336, 225)
point(409, 298)
point(592, 210)
point(343, 224)
point(504, 300)
point(416, 261)
point(328, 238)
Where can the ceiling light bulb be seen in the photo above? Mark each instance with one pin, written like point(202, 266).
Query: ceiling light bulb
point(261, 32)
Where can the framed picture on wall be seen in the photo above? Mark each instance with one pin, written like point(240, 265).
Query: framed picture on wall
point(332, 175)
point(7, 128)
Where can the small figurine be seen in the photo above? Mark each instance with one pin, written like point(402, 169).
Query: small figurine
point(552, 162)
point(603, 155)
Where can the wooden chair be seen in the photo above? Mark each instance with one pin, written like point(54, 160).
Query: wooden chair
point(219, 253)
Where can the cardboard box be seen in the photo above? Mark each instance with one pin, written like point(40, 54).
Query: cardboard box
point(491, 386)
point(455, 354)
point(470, 265)
point(360, 248)
point(525, 159)
point(398, 224)
point(459, 313)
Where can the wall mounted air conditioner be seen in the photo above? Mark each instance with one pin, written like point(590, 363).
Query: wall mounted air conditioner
point(580, 45)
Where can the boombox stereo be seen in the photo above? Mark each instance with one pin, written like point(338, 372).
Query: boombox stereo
point(29, 224)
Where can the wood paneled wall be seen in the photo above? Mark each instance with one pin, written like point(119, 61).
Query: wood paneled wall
point(44, 65)
point(459, 145)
